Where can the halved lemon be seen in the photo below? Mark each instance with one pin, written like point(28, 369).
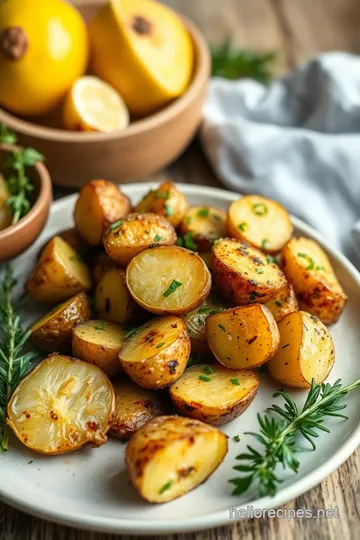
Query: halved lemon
point(93, 105)
point(62, 405)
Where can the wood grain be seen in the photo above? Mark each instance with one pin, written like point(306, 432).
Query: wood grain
point(297, 29)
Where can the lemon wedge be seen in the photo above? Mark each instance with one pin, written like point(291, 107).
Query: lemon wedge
point(93, 105)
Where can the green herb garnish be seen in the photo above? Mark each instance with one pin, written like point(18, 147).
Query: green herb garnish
point(162, 195)
point(179, 241)
point(173, 286)
point(157, 238)
point(7, 136)
point(237, 438)
point(208, 370)
point(260, 209)
point(264, 242)
point(270, 259)
point(235, 381)
point(130, 330)
point(319, 268)
point(100, 326)
point(222, 327)
point(189, 242)
point(165, 487)
point(160, 345)
point(169, 211)
point(259, 270)
point(303, 255)
point(188, 220)
point(203, 212)
point(116, 224)
point(204, 378)
point(279, 303)
point(243, 226)
point(217, 218)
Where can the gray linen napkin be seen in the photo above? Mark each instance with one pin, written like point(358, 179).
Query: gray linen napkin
point(297, 141)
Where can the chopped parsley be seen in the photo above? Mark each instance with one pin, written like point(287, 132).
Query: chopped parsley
point(200, 320)
point(188, 220)
point(260, 209)
point(204, 378)
point(237, 438)
point(165, 488)
point(259, 270)
point(169, 211)
point(319, 268)
point(116, 224)
point(264, 242)
point(189, 242)
point(210, 311)
point(302, 255)
point(100, 326)
point(243, 226)
point(218, 218)
point(173, 286)
point(279, 303)
point(179, 242)
point(222, 327)
point(157, 238)
point(215, 243)
point(162, 195)
point(130, 330)
point(208, 370)
point(270, 259)
point(160, 345)
point(204, 212)
point(235, 381)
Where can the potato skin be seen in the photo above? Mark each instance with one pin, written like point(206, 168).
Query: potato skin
point(136, 233)
point(166, 201)
point(318, 291)
point(210, 413)
point(112, 301)
point(55, 332)
point(165, 366)
point(99, 204)
point(243, 274)
point(161, 433)
point(206, 224)
point(135, 407)
point(53, 280)
point(283, 303)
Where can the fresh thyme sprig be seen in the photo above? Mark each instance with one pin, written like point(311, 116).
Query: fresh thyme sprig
point(18, 182)
point(232, 63)
point(279, 436)
point(13, 364)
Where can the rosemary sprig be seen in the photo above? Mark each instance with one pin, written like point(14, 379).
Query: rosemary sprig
point(18, 182)
point(279, 436)
point(13, 364)
point(234, 63)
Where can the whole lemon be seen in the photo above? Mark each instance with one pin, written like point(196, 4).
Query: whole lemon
point(43, 50)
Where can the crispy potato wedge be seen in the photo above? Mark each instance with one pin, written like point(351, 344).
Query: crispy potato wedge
point(214, 394)
point(62, 405)
point(102, 264)
point(243, 337)
point(53, 332)
point(166, 201)
point(172, 455)
point(99, 343)
point(206, 224)
point(134, 407)
point(134, 234)
point(99, 204)
point(157, 354)
point(261, 222)
point(5, 212)
point(306, 351)
point(316, 286)
point(112, 299)
point(59, 274)
point(168, 279)
point(284, 302)
point(243, 274)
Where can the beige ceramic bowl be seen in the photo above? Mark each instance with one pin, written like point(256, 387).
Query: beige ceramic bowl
point(144, 147)
point(16, 238)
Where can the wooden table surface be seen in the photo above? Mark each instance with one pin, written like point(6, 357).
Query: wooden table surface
point(297, 29)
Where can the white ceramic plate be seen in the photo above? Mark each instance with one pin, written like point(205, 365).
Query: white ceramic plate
point(89, 489)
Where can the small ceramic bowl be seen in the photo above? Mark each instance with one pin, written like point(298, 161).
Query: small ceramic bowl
point(16, 238)
point(144, 147)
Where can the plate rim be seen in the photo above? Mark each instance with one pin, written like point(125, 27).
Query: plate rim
point(221, 517)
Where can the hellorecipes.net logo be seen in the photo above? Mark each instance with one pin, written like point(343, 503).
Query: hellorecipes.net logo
point(249, 512)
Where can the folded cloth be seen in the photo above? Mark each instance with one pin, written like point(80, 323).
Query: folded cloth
point(297, 141)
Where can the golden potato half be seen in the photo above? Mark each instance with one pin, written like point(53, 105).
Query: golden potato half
point(99, 204)
point(168, 279)
point(316, 286)
point(59, 274)
point(135, 407)
point(166, 201)
point(99, 343)
point(206, 224)
point(283, 303)
point(243, 274)
point(243, 337)
point(157, 354)
point(261, 222)
point(112, 300)
point(53, 332)
point(172, 455)
point(214, 394)
point(62, 405)
point(134, 234)
point(306, 351)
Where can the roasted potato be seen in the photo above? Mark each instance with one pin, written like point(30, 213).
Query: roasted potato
point(316, 286)
point(102, 264)
point(166, 201)
point(214, 394)
point(172, 455)
point(168, 279)
point(195, 323)
point(157, 354)
point(134, 407)
point(243, 337)
point(306, 351)
point(135, 233)
point(261, 222)
point(206, 224)
point(59, 274)
point(284, 302)
point(53, 332)
point(99, 343)
point(100, 203)
point(5, 212)
point(112, 299)
point(243, 274)
point(62, 405)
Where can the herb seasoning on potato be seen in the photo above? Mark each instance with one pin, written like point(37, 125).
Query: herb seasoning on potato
point(206, 224)
point(166, 201)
